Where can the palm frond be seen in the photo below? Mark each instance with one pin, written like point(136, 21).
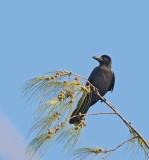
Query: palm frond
point(87, 153)
point(68, 137)
point(57, 94)
point(38, 145)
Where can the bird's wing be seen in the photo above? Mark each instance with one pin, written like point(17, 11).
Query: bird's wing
point(98, 79)
point(93, 74)
point(111, 87)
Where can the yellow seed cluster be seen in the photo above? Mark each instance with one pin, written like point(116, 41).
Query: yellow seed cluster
point(52, 132)
point(54, 116)
point(59, 74)
point(81, 125)
point(72, 83)
point(85, 89)
point(141, 142)
point(88, 89)
point(61, 95)
point(66, 94)
point(99, 150)
point(69, 93)
point(133, 132)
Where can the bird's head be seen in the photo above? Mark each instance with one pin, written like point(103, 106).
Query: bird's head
point(103, 60)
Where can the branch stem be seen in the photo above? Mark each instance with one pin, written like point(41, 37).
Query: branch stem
point(115, 111)
point(120, 145)
point(95, 114)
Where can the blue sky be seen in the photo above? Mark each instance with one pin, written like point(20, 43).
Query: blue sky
point(38, 36)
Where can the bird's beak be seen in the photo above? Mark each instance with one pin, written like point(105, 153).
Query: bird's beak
point(99, 59)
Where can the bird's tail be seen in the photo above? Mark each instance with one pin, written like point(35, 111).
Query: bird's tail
point(81, 110)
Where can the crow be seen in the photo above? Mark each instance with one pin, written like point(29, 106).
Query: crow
point(103, 78)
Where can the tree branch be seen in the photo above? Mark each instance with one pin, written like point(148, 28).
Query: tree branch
point(116, 112)
point(117, 147)
point(95, 114)
point(32, 86)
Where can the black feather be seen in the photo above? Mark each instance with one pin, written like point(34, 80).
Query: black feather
point(103, 79)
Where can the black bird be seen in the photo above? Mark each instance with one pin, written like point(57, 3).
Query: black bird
point(103, 79)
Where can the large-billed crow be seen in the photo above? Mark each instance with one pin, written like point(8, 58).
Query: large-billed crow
point(103, 79)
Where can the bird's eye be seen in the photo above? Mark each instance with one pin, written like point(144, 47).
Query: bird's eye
point(105, 59)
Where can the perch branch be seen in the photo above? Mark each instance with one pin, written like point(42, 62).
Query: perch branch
point(117, 147)
point(115, 111)
point(95, 114)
